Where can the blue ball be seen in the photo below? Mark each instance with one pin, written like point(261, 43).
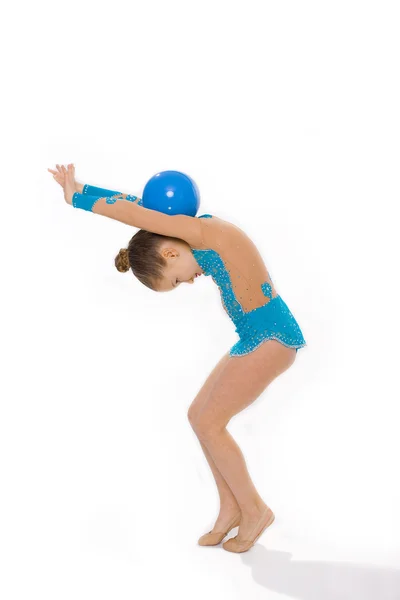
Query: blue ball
point(172, 193)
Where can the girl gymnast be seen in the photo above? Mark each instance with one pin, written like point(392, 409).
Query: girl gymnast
point(171, 250)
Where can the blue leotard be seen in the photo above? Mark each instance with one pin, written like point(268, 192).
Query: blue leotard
point(271, 320)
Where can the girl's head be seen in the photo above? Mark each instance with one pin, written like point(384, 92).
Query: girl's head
point(159, 262)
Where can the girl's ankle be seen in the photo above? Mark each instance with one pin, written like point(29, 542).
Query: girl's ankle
point(229, 507)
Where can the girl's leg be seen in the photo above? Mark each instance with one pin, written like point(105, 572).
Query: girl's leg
point(241, 381)
point(228, 503)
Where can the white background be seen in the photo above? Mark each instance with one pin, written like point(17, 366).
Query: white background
point(286, 114)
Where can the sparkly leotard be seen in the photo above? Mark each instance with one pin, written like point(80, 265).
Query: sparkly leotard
point(223, 251)
point(235, 265)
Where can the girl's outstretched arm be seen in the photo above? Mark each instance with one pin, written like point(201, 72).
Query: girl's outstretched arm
point(129, 211)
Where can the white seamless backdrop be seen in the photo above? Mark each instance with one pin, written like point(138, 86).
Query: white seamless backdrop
point(287, 116)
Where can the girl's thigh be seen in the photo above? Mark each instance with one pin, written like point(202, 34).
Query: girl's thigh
point(205, 389)
point(241, 381)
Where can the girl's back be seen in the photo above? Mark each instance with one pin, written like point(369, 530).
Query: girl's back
point(234, 263)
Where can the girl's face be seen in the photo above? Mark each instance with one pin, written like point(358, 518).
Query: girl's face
point(181, 265)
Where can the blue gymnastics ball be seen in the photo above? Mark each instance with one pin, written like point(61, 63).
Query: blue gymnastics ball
point(172, 193)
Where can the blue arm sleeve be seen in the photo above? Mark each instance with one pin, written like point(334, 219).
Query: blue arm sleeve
point(87, 201)
point(92, 190)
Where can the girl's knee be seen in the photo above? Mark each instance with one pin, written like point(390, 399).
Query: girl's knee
point(191, 414)
point(207, 426)
point(194, 410)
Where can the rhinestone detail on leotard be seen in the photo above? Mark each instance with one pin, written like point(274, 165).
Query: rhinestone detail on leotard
point(267, 289)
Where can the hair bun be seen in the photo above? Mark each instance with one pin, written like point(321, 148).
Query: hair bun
point(122, 260)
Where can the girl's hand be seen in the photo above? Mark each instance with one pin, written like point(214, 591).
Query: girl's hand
point(69, 183)
point(59, 176)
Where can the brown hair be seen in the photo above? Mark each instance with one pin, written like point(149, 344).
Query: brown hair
point(143, 257)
